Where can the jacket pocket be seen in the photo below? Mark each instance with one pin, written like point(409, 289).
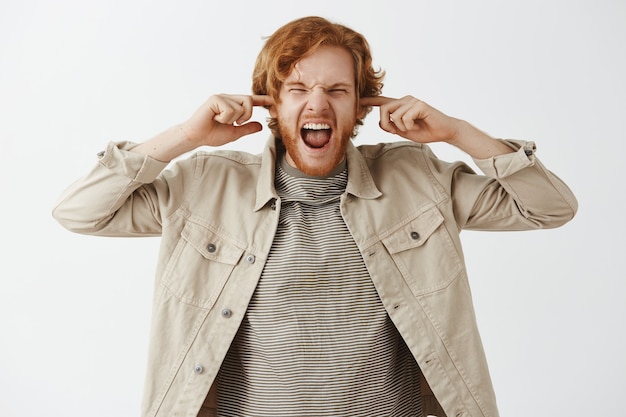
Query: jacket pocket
point(423, 251)
point(199, 266)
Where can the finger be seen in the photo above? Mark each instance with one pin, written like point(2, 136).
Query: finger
point(260, 100)
point(416, 117)
point(254, 100)
point(388, 127)
point(234, 109)
point(247, 129)
point(226, 108)
point(386, 116)
point(385, 120)
point(228, 113)
point(246, 104)
point(387, 106)
point(403, 116)
point(375, 101)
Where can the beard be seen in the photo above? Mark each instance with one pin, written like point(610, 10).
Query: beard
point(319, 167)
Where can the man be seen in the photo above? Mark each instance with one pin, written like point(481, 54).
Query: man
point(317, 279)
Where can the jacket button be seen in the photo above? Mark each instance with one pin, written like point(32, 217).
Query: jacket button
point(198, 369)
point(226, 313)
point(250, 259)
point(211, 248)
point(415, 235)
point(273, 205)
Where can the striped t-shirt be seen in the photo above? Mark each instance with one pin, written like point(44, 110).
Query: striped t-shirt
point(316, 339)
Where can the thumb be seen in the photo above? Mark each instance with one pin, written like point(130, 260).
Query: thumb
point(247, 129)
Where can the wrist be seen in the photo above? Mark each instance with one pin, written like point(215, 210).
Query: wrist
point(167, 145)
point(477, 143)
point(466, 135)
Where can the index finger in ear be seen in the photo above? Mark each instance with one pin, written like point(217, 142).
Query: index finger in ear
point(375, 101)
point(260, 100)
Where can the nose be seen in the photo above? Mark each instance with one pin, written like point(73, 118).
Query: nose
point(317, 101)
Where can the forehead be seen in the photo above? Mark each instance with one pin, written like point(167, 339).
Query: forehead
point(327, 65)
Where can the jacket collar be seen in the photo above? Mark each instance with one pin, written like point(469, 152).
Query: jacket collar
point(360, 181)
point(265, 190)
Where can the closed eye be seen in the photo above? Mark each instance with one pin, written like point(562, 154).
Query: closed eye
point(337, 92)
point(297, 91)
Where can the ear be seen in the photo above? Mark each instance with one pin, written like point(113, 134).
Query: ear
point(362, 111)
point(272, 110)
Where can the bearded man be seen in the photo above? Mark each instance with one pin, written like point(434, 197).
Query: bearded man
point(318, 278)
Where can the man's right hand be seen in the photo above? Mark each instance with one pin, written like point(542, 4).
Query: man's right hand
point(222, 119)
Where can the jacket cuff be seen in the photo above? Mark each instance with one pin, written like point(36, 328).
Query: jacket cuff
point(502, 166)
point(138, 167)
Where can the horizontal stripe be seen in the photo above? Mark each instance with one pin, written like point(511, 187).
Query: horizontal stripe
point(316, 339)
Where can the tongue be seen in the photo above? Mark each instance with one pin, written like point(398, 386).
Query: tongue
point(316, 138)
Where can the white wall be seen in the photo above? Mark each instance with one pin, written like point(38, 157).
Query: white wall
point(74, 310)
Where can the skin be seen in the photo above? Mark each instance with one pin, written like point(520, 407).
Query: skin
point(415, 120)
point(321, 89)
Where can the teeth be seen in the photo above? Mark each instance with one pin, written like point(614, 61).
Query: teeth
point(316, 126)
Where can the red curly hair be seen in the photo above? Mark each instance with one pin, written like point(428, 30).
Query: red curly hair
point(301, 38)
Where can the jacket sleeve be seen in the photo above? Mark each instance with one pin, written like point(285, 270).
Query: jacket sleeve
point(516, 193)
point(125, 194)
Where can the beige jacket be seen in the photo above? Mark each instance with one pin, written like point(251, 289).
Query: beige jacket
point(217, 214)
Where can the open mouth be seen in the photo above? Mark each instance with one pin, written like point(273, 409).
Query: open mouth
point(316, 135)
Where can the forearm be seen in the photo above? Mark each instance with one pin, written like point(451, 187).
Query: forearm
point(525, 194)
point(220, 120)
point(91, 204)
point(167, 145)
point(476, 143)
